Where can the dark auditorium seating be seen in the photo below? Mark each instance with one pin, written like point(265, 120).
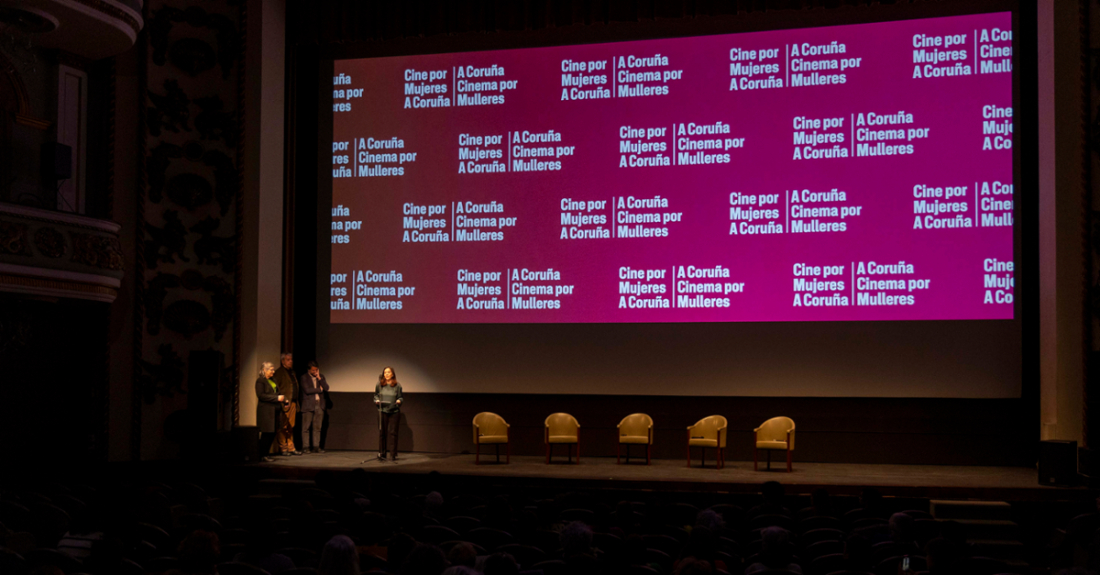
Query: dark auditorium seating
point(40, 557)
point(633, 532)
point(238, 568)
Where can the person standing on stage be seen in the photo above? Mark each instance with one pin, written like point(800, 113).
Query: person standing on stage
point(288, 388)
point(387, 395)
point(269, 409)
point(313, 386)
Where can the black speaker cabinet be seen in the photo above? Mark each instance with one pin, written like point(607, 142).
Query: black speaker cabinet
point(1058, 462)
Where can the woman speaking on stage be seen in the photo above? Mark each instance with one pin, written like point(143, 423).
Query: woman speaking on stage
point(387, 396)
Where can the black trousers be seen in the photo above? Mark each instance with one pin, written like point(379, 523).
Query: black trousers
point(387, 434)
point(266, 439)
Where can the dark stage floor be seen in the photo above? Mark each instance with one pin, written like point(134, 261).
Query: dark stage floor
point(934, 481)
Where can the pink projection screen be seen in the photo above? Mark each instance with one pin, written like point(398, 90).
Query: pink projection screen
point(848, 173)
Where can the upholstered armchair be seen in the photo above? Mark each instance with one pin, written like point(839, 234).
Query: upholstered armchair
point(490, 428)
point(708, 432)
point(775, 434)
point(563, 428)
point(635, 429)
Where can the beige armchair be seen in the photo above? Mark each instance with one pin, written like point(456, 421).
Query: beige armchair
point(708, 432)
point(563, 428)
point(490, 428)
point(774, 434)
point(635, 429)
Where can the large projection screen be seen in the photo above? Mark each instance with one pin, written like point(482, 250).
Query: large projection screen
point(812, 212)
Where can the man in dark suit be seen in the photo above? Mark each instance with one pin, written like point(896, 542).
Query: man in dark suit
point(313, 387)
point(288, 388)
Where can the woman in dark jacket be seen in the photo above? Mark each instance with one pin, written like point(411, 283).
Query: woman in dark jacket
point(387, 395)
point(268, 409)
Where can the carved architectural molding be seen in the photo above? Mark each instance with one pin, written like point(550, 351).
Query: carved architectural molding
point(91, 29)
point(59, 254)
point(11, 82)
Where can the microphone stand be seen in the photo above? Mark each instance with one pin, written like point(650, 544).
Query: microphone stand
point(368, 460)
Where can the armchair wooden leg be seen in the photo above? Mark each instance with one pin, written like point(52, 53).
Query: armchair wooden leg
point(721, 458)
point(508, 458)
point(703, 461)
point(769, 459)
point(578, 447)
point(689, 451)
point(548, 454)
point(788, 461)
point(477, 454)
point(648, 449)
point(618, 450)
point(755, 458)
point(496, 447)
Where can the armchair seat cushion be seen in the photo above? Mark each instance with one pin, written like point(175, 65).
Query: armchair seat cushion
point(492, 439)
point(642, 439)
point(563, 439)
point(702, 442)
point(771, 445)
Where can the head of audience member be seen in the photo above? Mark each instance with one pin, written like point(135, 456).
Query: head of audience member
point(575, 539)
point(902, 527)
point(401, 544)
point(857, 553)
point(819, 501)
point(433, 504)
point(287, 359)
point(501, 564)
point(710, 519)
point(314, 369)
point(339, 557)
point(776, 551)
point(199, 552)
point(424, 559)
point(463, 554)
point(267, 370)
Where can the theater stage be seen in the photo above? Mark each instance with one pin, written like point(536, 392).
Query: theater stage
point(930, 481)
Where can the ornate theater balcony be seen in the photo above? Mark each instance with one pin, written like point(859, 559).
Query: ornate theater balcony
point(57, 254)
point(92, 29)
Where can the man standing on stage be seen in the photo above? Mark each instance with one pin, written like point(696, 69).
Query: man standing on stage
point(288, 388)
point(313, 386)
